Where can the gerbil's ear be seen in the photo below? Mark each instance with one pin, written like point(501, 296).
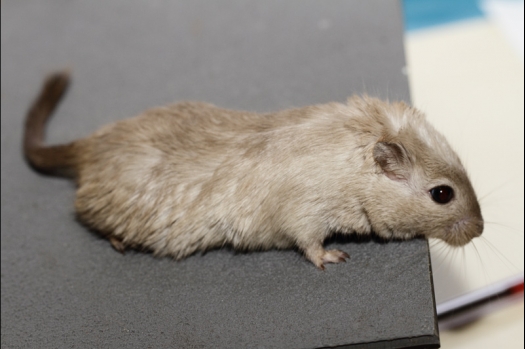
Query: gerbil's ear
point(393, 159)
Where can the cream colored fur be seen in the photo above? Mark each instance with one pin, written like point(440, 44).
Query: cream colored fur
point(191, 176)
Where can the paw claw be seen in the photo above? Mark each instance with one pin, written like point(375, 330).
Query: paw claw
point(334, 256)
point(117, 244)
point(319, 256)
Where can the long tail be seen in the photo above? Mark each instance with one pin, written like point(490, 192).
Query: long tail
point(58, 160)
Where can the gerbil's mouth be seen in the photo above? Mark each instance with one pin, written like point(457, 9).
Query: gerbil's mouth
point(463, 231)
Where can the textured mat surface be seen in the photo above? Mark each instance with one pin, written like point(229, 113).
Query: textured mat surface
point(63, 286)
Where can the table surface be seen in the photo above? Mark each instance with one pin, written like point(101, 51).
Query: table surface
point(63, 286)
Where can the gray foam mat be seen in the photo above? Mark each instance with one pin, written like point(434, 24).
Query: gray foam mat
point(63, 286)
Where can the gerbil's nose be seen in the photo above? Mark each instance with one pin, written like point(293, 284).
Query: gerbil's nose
point(479, 226)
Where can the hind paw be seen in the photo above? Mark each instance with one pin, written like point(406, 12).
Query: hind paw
point(117, 244)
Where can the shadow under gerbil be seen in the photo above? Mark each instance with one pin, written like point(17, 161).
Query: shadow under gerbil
point(340, 238)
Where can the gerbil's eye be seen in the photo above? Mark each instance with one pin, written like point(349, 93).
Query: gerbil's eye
point(442, 194)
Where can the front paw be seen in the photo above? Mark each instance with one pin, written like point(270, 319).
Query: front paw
point(334, 256)
point(319, 256)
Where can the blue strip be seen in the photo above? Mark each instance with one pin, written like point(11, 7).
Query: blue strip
point(427, 13)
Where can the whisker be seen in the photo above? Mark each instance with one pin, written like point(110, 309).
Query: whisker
point(498, 253)
point(483, 268)
point(442, 253)
point(484, 196)
point(464, 263)
point(513, 229)
point(438, 250)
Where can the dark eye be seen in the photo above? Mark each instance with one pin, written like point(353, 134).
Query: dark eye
point(442, 194)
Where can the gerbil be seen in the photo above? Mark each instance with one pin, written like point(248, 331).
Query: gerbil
point(191, 176)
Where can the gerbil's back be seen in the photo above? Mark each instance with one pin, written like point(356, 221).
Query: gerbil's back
point(162, 140)
point(181, 142)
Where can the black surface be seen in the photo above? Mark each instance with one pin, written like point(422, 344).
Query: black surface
point(65, 287)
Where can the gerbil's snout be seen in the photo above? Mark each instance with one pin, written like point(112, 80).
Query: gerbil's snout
point(464, 230)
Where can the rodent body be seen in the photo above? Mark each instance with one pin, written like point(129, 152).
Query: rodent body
point(191, 176)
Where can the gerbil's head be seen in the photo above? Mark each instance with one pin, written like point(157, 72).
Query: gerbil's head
point(421, 187)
